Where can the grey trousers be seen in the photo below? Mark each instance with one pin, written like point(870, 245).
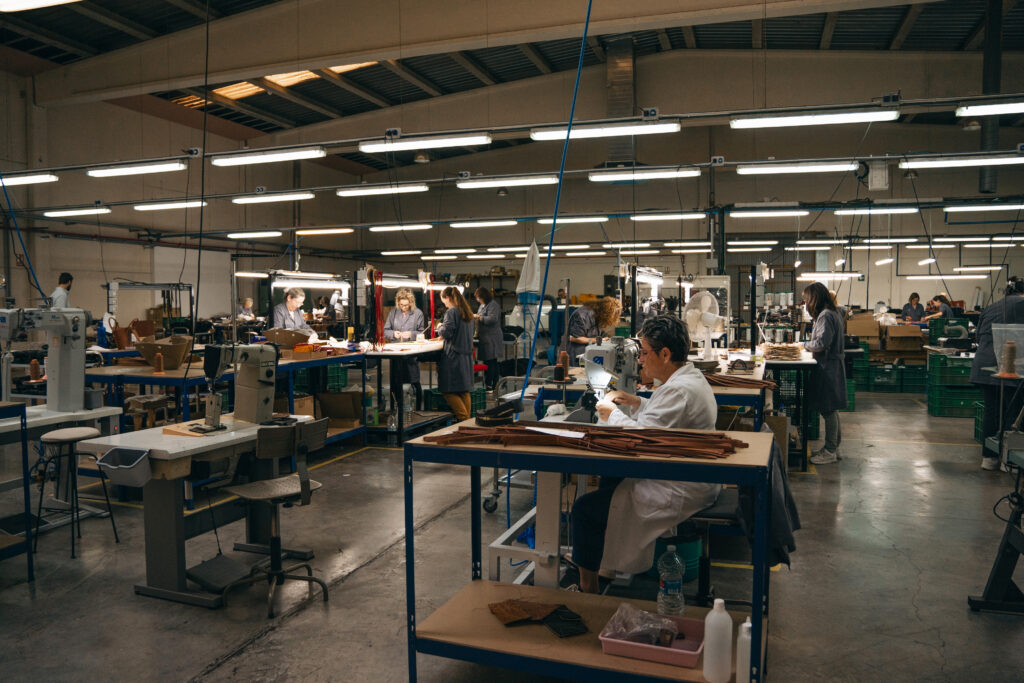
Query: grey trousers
point(833, 433)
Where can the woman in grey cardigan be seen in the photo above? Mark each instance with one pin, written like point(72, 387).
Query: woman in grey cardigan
point(488, 330)
point(455, 369)
point(828, 380)
point(404, 322)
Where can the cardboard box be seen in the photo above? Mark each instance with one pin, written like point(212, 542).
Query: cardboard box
point(779, 424)
point(304, 405)
point(907, 343)
point(863, 325)
point(286, 339)
point(874, 343)
point(344, 409)
point(903, 331)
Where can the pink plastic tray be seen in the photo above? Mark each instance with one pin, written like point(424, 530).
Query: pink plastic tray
point(683, 652)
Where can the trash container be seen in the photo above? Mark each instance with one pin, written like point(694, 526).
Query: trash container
point(126, 466)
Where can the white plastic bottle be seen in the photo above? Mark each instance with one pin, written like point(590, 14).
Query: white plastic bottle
point(718, 644)
point(743, 653)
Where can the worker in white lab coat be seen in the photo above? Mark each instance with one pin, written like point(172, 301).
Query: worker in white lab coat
point(616, 527)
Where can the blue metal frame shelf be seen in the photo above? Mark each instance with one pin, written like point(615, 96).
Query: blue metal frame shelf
point(23, 544)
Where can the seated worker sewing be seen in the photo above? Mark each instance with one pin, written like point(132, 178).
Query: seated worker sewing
point(615, 527)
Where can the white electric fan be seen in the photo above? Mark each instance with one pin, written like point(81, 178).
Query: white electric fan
point(703, 320)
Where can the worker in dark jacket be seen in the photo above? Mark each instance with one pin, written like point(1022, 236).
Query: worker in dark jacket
point(828, 380)
point(405, 323)
point(913, 310)
point(996, 392)
point(590, 322)
point(488, 331)
point(940, 302)
point(455, 369)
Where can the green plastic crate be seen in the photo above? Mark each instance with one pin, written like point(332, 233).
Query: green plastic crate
point(884, 378)
point(477, 401)
point(861, 378)
point(952, 401)
point(937, 327)
point(948, 370)
point(851, 397)
point(622, 331)
point(914, 379)
point(434, 400)
point(813, 426)
point(979, 421)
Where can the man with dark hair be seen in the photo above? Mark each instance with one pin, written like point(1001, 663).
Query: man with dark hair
point(59, 298)
point(615, 527)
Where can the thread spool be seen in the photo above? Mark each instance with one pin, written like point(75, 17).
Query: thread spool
point(35, 372)
point(158, 363)
point(1008, 366)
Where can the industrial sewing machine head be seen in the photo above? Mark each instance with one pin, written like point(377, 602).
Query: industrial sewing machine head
point(65, 361)
point(254, 381)
point(612, 364)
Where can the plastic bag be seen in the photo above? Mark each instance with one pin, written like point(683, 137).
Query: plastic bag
point(637, 626)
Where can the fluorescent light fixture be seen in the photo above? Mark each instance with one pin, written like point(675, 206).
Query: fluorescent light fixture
point(486, 256)
point(867, 247)
point(777, 213)
point(508, 249)
point(569, 247)
point(585, 253)
point(692, 251)
point(963, 161)
point(816, 119)
point(642, 174)
point(945, 277)
point(753, 243)
point(324, 231)
point(252, 274)
point(76, 212)
point(169, 205)
point(691, 216)
point(875, 210)
point(369, 190)
point(606, 130)
point(401, 228)
point(986, 245)
point(976, 269)
point(925, 262)
point(984, 207)
point(627, 245)
point(301, 273)
point(483, 224)
point(807, 248)
point(839, 262)
point(574, 219)
point(930, 246)
point(436, 257)
point(638, 252)
point(891, 240)
point(542, 255)
point(802, 242)
point(403, 252)
point(256, 234)
point(803, 167)
point(285, 283)
point(506, 181)
point(686, 244)
point(742, 249)
point(997, 109)
point(20, 5)
point(846, 275)
point(977, 238)
point(884, 261)
point(429, 142)
point(797, 263)
point(269, 156)
point(1008, 238)
point(27, 179)
point(136, 169)
point(455, 251)
point(271, 198)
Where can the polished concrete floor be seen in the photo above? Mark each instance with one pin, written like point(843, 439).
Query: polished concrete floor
point(895, 537)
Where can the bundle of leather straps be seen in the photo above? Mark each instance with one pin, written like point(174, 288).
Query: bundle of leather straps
point(720, 380)
point(661, 443)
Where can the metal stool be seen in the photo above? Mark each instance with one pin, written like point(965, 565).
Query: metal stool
point(58, 440)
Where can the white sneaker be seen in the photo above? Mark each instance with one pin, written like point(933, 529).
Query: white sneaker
point(824, 457)
point(989, 463)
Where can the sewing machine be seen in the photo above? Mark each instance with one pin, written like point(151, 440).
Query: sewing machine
point(612, 364)
point(65, 362)
point(254, 378)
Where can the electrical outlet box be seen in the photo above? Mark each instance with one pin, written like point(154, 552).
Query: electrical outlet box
point(392, 132)
point(1020, 148)
point(878, 176)
point(718, 161)
point(463, 175)
point(649, 113)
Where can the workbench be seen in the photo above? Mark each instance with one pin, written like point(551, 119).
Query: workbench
point(804, 367)
point(407, 349)
point(460, 628)
point(14, 544)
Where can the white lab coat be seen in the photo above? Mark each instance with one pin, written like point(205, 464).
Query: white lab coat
point(644, 509)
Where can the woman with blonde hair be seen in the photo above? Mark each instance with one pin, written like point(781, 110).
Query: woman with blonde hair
point(455, 369)
point(590, 322)
point(404, 322)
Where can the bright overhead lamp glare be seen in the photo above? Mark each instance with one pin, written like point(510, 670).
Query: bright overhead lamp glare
point(642, 174)
point(984, 207)
point(585, 253)
point(569, 247)
point(997, 109)
point(136, 169)
point(974, 238)
point(735, 250)
point(985, 245)
point(876, 210)
point(752, 243)
point(757, 213)
point(946, 277)
point(252, 274)
point(797, 263)
point(436, 257)
point(809, 167)
point(506, 181)
point(21, 5)
point(686, 244)
point(803, 242)
point(891, 240)
point(976, 269)
point(269, 156)
point(27, 179)
point(483, 224)
point(455, 251)
point(1008, 238)
point(839, 262)
point(638, 252)
point(486, 256)
point(626, 245)
point(807, 248)
point(884, 261)
point(286, 283)
point(691, 216)
point(253, 235)
point(403, 252)
point(324, 231)
point(500, 249)
point(868, 247)
point(692, 251)
point(574, 219)
point(430, 142)
point(605, 130)
point(931, 246)
point(271, 198)
point(169, 205)
point(963, 161)
point(925, 262)
point(401, 228)
point(63, 213)
point(816, 119)
point(369, 190)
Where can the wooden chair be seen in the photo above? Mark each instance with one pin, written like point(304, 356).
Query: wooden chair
point(272, 443)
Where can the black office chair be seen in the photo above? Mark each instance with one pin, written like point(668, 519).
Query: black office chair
point(273, 443)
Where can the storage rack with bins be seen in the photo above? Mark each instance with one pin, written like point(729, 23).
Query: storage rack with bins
point(950, 393)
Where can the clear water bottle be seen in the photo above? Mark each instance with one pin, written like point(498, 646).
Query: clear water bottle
point(670, 582)
point(392, 430)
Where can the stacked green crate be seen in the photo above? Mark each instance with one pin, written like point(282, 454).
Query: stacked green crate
point(979, 421)
point(914, 379)
point(337, 378)
point(950, 393)
point(477, 401)
point(948, 371)
point(884, 378)
point(434, 400)
point(302, 380)
point(785, 401)
point(861, 378)
point(937, 327)
point(851, 396)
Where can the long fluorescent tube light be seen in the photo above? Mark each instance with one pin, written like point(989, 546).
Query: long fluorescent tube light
point(136, 169)
point(804, 167)
point(867, 247)
point(21, 5)
point(686, 244)
point(285, 283)
point(401, 228)
point(269, 156)
point(642, 174)
point(605, 130)
point(930, 246)
point(691, 216)
point(945, 277)
point(254, 234)
point(585, 253)
point(506, 181)
point(76, 212)
point(483, 224)
point(925, 262)
point(692, 251)
point(430, 142)
point(976, 269)
point(1008, 238)
point(986, 245)
point(369, 190)
point(569, 247)
point(752, 243)
point(486, 256)
point(884, 261)
point(778, 213)
point(844, 275)
point(27, 179)
point(984, 207)
point(169, 205)
point(964, 161)
point(324, 231)
point(403, 252)
point(802, 242)
point(742, 249)
point(627, 245)
point(574, 219)
point(455, 251)
point(252, 274)
point(839, 262)
point(875, 210)
point(301, 273)
point(638, 252)
point(963, 239)
point(891, 240)
point(818, 119)
point(990, 109)
point(436, 257)
point(807, 248)
point(271, 198)
point(508, 249)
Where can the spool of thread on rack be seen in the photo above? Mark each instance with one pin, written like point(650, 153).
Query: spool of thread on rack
point(1008, 366)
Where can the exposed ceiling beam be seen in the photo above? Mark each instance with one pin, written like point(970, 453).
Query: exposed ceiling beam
point(408, 75)
point(978, 35)
point(595, 46)
point(296, 98)
point(194, 7)
point(112, 19)
point(235, 105)
point(536, 57)
point(827, 30)
point(28, 30)
point(690, 37)
point(663, 40)
point(352, 87)
point(911, 15)
point(757, 34)
point(472, 66)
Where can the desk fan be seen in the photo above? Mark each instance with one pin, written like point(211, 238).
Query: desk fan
point(701, 314)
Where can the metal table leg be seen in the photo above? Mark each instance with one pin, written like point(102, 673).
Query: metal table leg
point(410, 569)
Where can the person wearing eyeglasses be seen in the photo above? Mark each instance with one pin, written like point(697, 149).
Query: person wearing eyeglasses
point(616, 526)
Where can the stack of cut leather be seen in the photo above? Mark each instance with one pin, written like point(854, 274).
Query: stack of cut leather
point(661, 443)
point(739, 382)
point(782, 351)
point(501, 414)
point(518, 611)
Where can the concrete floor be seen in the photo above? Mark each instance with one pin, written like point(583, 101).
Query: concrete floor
point(895, 537)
